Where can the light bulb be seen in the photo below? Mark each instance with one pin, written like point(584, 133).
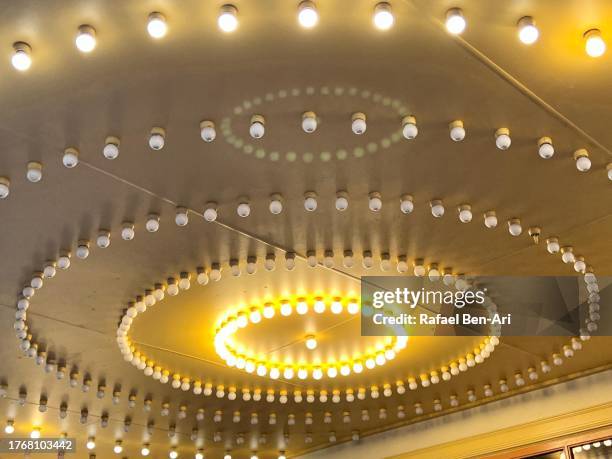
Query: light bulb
point(152, 223)
point(86, 39)
point(145, 451)
point(406, 204)
point(528, 33)
point(342, 202)
point(383, 16)
point(118, 448)
point(228, 18)
point(91, 443)
point(336, 307)
point(311, 342)
point(127, 232)
point(583, 162)
point(22, 59)
point(173, 454)
point(545, 148)
point(358, 123)
point(301, 307)
point(502, 138)
point(437, 208)
point(309, 122)
point(310, 201)
point(35, 433)
point(5, 184)
point(9, 428)
point(465, 213)
point(455, 22)
point(490, 219)
point(210, 212)
point(595, 46)
point(276, 204)
point(457, 131)
point(103, 239)
point(308, 17)
point(257, 128)
point(352, 307)
point(609, 169)
point(157, 138)
point(157, 26)
point(319, 306)
point(514, 227)
point(181, 217)
point(111, 148)
point(70, 158)
point(375, 201)
point(409, 127)
point(286, 308)
point(244, 209)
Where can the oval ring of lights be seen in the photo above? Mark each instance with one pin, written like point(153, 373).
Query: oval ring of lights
point(398, 108)
point(30, 346)
point(248, 360)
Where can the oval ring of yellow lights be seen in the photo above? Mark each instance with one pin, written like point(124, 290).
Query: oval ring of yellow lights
point(236, 355)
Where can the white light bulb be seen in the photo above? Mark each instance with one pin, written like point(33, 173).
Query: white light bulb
point(157, 138)
point(311, 342)
point(145, 451)
point(310, 201)
point(276, 204)
point(406, 204)
point(182, 217)
point(609, 168)
point(583, 162)
point(210, 212)
point(308, 17)
point(490, 219)
point(545, 148)
point(455, 22)
point(70, 158)
point(257, 128)
point(437, 208)
point(527, 31)
point(243, 210)
point(157, 26)
point(127, 232)
point(152, 223)
point(409, 127)
point(457, 131)
point(514, 227)
point(118, 449)
point(336, 307)
point(111, 148)
point(5, 190)
point(86, 39)
point(375, 201)
point(465, 213)
point(309, 122)
point(342, 201)
point(228, 18)
point(595, 46)
point(103, 239)
point(34, 172)
point(358, 124)
point(319, 306)
point(502, 139)
point(22, 59)
point(383, 16)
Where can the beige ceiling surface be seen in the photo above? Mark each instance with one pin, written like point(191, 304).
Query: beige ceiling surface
point(131, 83)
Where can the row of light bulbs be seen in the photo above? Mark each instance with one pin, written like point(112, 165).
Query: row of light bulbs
point(308, 17)
point(70, 158)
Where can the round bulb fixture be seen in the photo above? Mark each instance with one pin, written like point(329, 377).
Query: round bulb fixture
point(437, 208)
point(383, 16)
point(70, 158)
point(244, 209)
point(103, 239)
point(358, 123)
point(490, 219)
point(502, 138)
point(545, 148)
point(34, 172)
point(465, 213)
point(228, 18)
point(455, 22)
point(457, 131)
point(514, 227)
point(152, 223)
point(342, 201)
point(5, 189)
point(86, 39)
point(210, 212)
point(9, 428)
point(91, 443)
point(35, 433)
point(594, 45)
point(309, 122)
point(308, 17)
point(173, 454)
point(276, 204)
point(157, 26)
point(310, 201)
point(583, 162)
point(118, 448)
point(409, 127)
point(22, 57)
point(127, 232)
point(311, 342)
point(157, 138)
point(207, 131)
point(111, 148)
point(406, 204)
point(181, 217)
point(257, 128)
point(528, 33)
point(145, 451)
point(375, 201)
